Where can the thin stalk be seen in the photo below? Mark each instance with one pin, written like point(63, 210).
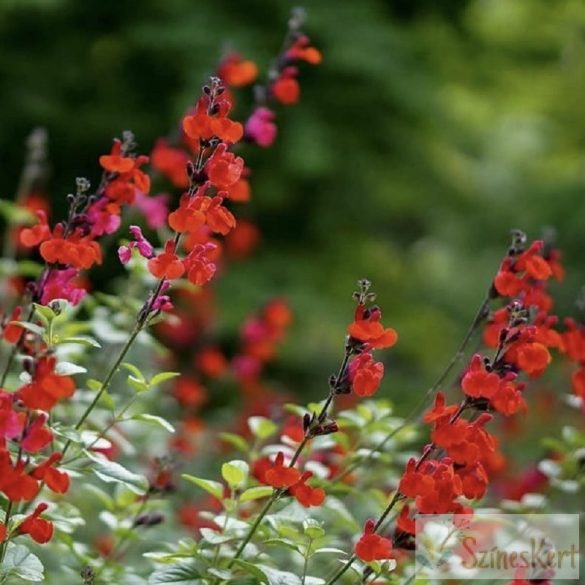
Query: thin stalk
point(306, 439)
point(275, 495)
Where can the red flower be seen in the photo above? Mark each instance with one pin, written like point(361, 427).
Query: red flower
point(200, 269)
point(46, 387)
point(236, 71)
point(189, 216)
point(56, 480)
point(12, 331)
point(404, 522)
point(219, 219)
point(286, 90)
point(36, 234)
point(170, 162)
point(224, 168)
point(477, 381)
point(115, 162)
point(371, 546)
point(14, 482)
point(40, 530)
point(166, 265)
point(474, 480)
point(37, 435)
point(365, 374)
point(306, 495)
point(532, 358)
point(202, 126)
point(440, 412)
point(280, 475)
point(367, 328)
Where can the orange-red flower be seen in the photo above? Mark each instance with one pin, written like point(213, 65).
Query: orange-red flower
point(236, 71)
point(189, 216)
point(57, 481)
point(281, 476)
point(305, 494)
point(367, 328)
point(373, 547)
point(46, 387)
point(167, 264)
point(365, 374)
point(477, 381)
point(36, 234)
point(40, 530)
point(116, 162)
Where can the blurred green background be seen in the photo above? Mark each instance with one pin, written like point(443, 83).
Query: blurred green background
point(430, 130)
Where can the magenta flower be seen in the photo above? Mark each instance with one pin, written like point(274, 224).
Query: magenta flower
point(260, 127)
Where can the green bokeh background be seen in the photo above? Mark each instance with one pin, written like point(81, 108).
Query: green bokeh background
point(430, 130)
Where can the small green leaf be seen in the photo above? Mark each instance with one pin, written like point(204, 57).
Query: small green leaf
point(137, 384)
point(87, 341)
point(212, 487)
point(163, 377)
point(46, 312)
point(283, 543)
point(261, 427)
point(134, 371)
point(36, 329)
point(69, 369)
point(235, 473)
point(19, 561)
point(94, 385)
point(313, 529)
point(112, 472)
point(181, 574)
point(255, 493)
point(157, 420)
point(235, 440)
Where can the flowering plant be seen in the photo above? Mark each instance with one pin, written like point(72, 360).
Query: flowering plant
point(105, 394)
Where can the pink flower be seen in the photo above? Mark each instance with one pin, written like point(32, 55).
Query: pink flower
point(143, 246)
point(260, 127)
point(155, 209)
point(60, 285)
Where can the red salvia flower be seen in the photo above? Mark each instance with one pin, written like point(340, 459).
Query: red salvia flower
point(372, 547)
point(305, 494)
point(477, 381)
point(167, 264)
point(37, 435)
point(46, 387)
point(367, 328)
point(281, 476)
point(236, 71)
point(57, 481)
point(33, 236)
point(365, 374)
point(40, 530)
point(189, 216)
point(116, 162)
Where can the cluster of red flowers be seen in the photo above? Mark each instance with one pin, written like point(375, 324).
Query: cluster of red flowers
point(464, 450)
point(73, 245)
point(23, 418)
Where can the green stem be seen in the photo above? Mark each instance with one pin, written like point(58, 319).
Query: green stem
point(275, 495)
point(342, 570)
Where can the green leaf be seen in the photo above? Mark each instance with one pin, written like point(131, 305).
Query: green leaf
point(36, 329)
point(255, 493)
point(261, 427)
point(235, 473)
point(283, 543)
point(134, 371)
point(94, 385)
point(112, 472)
point(157, 420)
point(313, 529)
point(235, 440)
point(21, 562)
point(69, 369)
point(163, 377)
point(87, 341)
point(181, 574)
point(16, 214)
point(137, 384)
point(212, 487)
point(277, 577)
point(46, 312)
